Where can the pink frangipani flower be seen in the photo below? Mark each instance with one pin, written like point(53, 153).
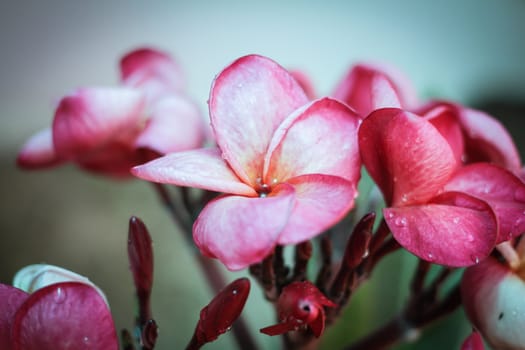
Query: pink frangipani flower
point(367, 87)
point(412, 162)
point(289, 167)
point(58, 309)
point(109, 130)
point(492, 294)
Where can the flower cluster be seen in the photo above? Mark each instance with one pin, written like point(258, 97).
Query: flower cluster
point(284, 169)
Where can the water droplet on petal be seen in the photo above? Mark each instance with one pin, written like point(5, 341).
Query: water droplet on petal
point(401, 221)
point(475, 259)
point(365, 254)
point(456, 220)
point(86, 340)
point(394, 179)
point(430, 257)
point(60, 295)
point(390, 215)
point(404, 198)
point(234, 292)
point(470, 237)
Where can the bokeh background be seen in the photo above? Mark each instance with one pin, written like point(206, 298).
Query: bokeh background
point(472, 51)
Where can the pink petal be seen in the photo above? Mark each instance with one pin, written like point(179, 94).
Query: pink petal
point(93, 118)
point(201, 168)
point(64, 316)
point(321, 201)
point(10, 300)
point(38, 152)
point(368, 87)
point(445, 120)
point(488, 140)
point(175, 124)
point(152, 71)
point(504, 191)
point(405, 155)
point(114, 160)
point(493, 301)
point(453, 230)
point(319, 138)
point(241, 231)
point(473, 342)
point(248, 101)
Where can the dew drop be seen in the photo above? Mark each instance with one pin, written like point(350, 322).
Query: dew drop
point(455, 220)
point(470, 238)
point(60, 296)
point(390, 215)
point(400, 221)
point(474, 259)
point(365, 254)
point(86, 340)
point(234, 292)
point(394, 179)
point(404, 198)
point(430, 257)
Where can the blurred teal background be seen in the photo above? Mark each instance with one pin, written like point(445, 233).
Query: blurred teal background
point(471, 51)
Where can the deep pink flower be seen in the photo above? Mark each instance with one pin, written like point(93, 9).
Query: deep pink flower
point(289, 166)
point(300, 305)
point(367, 87)
point(493, 299)
point(61, 316)
point(109, 130)
point(412, 162)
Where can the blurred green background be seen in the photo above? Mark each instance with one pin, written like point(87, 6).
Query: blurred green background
point(470, 51)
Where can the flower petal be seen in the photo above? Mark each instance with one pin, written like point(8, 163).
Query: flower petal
point(445, 120)
point(64, 316)
point(95, 118)
point(488, 140)
point(38, 152)
point(175, 125)
point(241, 231)
point(321, 201)
point(152, 71)
point(405, 155)
point(504, 191)
point(320, 138)
point(453, 230)
point(367, 87)
point(201, 168)
point(10, 300)
point(248, 101)
point(493, 301)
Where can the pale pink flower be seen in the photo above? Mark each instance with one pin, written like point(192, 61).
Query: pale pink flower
point(289, 167)
point(108, 130)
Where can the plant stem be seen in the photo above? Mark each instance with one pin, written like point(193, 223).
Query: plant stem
point(212, 273)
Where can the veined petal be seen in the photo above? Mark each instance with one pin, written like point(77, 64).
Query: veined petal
point(248, 101)
point(152, 71)
point(455, 229)
point(320, 138)
point(405, 155)
point(499, 187)
point(64, 316)
point(320, 202)
point(240, 231)
point(10, 300)
point(93, 118)
point(488, 140)
point(175, 125)
point(201, 168)
point(38, 152)
point(367, 87)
